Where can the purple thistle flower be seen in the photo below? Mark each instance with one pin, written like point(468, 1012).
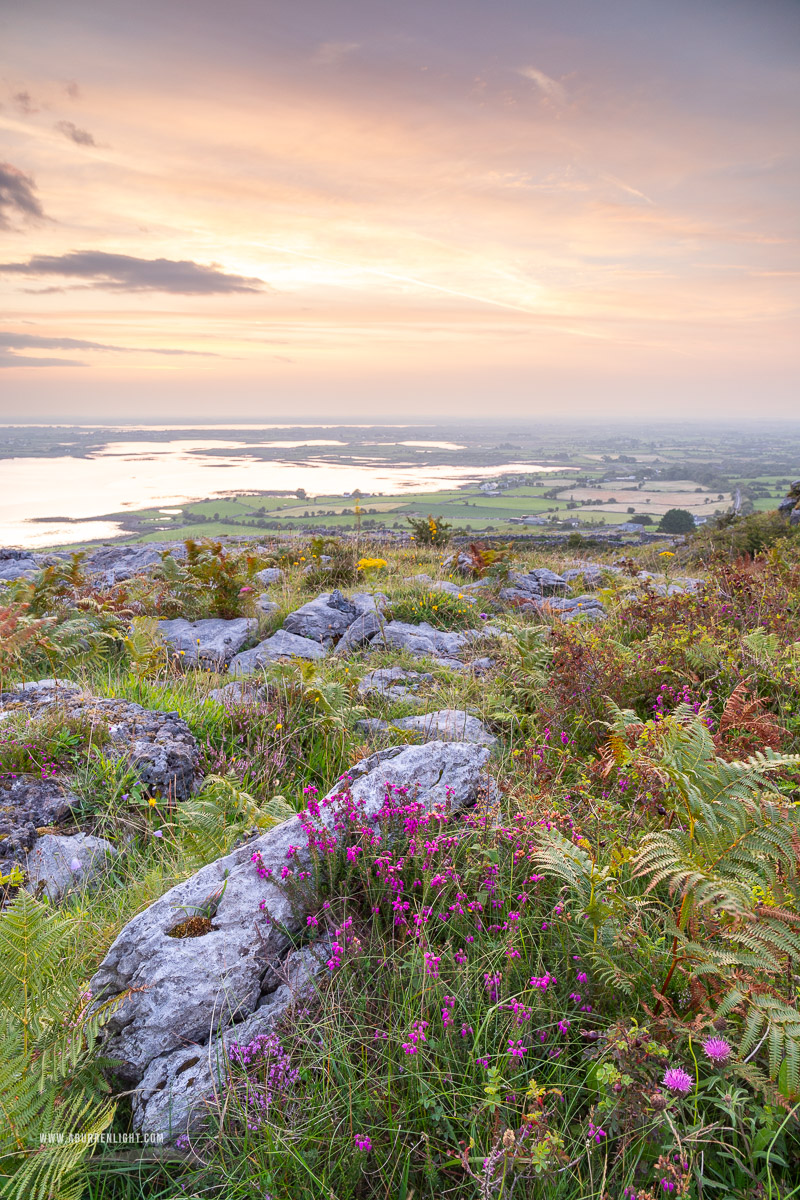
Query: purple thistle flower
point(678, 1080)
point(717, 1049)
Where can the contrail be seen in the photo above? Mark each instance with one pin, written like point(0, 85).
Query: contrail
point(436, 287)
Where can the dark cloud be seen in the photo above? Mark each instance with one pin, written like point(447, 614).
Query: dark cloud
point(31, 341)
point(16, 195)
point(72, 90)
point(81, 137)
point(24, 103)
point(124, 273)
point(9, 359)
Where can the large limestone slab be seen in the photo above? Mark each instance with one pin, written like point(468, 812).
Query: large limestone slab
point(189, 988)
point(281, 645)
point(210, 643)
point(324, 619)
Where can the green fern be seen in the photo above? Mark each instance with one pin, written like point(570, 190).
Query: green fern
point(221, 814)
point(722, 892)
point(50, 1082)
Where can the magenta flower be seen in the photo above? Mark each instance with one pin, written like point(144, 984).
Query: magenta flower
point(678, 1080)
point(717, 1049)
point(363, 1143)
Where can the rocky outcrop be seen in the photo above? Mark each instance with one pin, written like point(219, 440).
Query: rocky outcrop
point(446, 724)
point(210, 643)
point(159, 746)
point(423, 640)
point(322, 620)
point(281, 645)
point(173, 1093)
point(191, 988)
point(264, 606)
point(17, 564)
point(117, 563)
point(28, 804)
point(392, 683)
point(269, 576)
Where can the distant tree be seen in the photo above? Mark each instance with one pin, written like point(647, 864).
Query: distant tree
point(677, 520)
point(301, 494)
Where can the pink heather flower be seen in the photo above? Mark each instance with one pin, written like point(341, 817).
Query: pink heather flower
point(678, 1080)
point(717, 1049)
point(363, 1143)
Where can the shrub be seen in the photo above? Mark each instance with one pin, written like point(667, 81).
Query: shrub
point(428, 532)
point(677, 520)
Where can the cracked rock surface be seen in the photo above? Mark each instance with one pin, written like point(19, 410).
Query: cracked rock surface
point(193, 988)
point(158, 745)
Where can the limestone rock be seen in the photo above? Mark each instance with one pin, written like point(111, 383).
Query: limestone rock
point(280, 645)
point(322, 620)
point(158, 745)
point(193, 986)
point(171, 1097)
point(29, 803)
point(362, 631)
point(270, 575)
point(117, 563)
point(209, 643)
point(17, 564)
point(60, 863)
point(446, 724)
point(264, 606)
point(392, 683)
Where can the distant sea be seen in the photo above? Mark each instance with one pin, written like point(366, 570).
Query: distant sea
point(49, 500)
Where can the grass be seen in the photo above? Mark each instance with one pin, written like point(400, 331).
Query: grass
point(545, 881)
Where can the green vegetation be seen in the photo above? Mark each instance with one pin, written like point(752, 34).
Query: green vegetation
point(585, 987)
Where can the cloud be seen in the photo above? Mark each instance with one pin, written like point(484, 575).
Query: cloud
point(9, 359)
point(81, 137)
point(24, 103)
point(12, 342)
point(551, 88)
point(124, 273)
point(16, 195)
point(332, 52)
point(72, 90)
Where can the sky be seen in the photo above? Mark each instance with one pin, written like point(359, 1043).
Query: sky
point(435, 209)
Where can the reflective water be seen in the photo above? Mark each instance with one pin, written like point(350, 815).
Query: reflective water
point(71, 493)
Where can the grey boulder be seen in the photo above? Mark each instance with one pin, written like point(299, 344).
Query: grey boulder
point(446, 724)
point(17, 564)
point(269, 576)
point(210, 643)
point(159, 746)
point(188, 988)
point(392, 683)
point(58, 863)
point(117, 563)
point(280, 645)
point(322, 620)
point(176, 1089)
point(362, 631)
point(29, 803)
point(264, 606)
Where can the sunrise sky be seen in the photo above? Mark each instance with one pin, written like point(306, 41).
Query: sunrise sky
point(434, 208)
